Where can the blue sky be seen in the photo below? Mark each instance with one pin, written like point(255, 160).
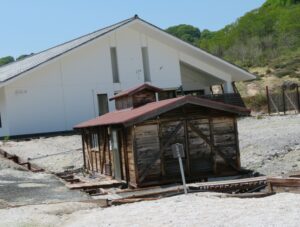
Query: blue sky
point(34, 25)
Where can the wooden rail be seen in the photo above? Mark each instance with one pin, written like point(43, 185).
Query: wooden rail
point(23, 164)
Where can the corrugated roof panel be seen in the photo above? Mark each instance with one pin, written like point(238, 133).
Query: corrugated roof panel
point(136, 89)
point(14, 69)
point(150, 110)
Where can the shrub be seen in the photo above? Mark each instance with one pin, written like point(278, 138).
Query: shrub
point(258, 102)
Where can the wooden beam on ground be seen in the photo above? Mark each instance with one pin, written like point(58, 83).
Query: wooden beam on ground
point(277, 184)
point(100, 184)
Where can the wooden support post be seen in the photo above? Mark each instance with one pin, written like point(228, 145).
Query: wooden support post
point(99, 146)
point(104, 149)
point(125, 151)
point(162, 159)
point(283, 100)
point(134, 153)
point(90, 156)
point(268, 100)
point(236, 134)
point(211, 144)
point(83, 147)
point(87, 155)
point(222, 87)
point(94, 151)
point(298, 97)
point(211, 90)
point(187, 150)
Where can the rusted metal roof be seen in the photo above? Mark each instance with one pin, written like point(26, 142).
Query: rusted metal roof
point(132, 116)
point(136, 89)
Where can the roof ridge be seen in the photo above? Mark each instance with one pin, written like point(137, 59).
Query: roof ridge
point(137, 88)
point(72, 40)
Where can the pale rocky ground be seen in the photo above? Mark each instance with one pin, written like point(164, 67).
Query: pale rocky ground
point(269, 145)
point(201, 209)
point(51, 153)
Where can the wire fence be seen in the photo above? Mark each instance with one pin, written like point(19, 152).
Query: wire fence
point(286, 99)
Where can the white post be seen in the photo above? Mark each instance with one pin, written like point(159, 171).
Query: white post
point(228, 87)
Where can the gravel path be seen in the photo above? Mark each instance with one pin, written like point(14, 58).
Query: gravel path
point(270, 145)
point(201, 209)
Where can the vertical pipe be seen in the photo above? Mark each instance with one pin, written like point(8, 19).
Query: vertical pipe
point(268, 100)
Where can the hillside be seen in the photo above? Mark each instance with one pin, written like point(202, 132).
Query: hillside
point(266, 41)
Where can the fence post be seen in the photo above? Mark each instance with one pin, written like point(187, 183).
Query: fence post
point(268, 100)
point(283, 99)
point(298, 98)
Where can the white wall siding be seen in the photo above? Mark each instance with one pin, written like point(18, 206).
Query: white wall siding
point(63, 92)
point(4, 130)
point(164, 64)
point(193, 79)
point(129, 58)
point(34, 102)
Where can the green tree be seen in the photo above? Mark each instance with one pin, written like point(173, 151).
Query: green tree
point(185, 32)
point(23, 56)
point(6, 60)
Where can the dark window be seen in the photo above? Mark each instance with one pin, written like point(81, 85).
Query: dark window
point(146, 66)
point(166, 95)
point(102, 104)
point(0, 121)
point(114, 65)
point(94, 141)
point(195, 92)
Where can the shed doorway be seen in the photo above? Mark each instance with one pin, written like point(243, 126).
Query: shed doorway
point(194, 134)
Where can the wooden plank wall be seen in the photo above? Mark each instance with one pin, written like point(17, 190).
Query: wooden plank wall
point(213, 151)
point(143, 97)
point(224, 139)
point(131, 158)
point(95, 149)
point(201, 157)
point(171, 165)
point(123, 102)
point(147, 152)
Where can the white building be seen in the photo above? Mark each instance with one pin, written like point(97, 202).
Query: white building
point(56, 89)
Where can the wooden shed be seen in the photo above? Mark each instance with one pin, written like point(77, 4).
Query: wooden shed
point(134, 142)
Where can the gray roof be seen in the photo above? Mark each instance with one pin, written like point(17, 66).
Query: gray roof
point(14, 69)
